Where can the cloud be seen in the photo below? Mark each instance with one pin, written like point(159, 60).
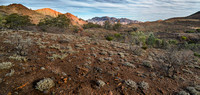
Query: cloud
point(144, 10)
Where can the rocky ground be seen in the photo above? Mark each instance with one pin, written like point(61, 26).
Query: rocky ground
point(35, 63)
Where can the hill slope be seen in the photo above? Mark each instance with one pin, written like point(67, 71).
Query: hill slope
point(194, 16)
point(37, 15)
point(22, 10)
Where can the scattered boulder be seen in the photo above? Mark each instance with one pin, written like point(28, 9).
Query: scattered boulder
point(100, 83)
point(5, 65)
point(121, 55)
point(45, 84)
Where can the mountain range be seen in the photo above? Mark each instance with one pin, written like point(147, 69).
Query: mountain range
point(101, 20)
point(37, 15)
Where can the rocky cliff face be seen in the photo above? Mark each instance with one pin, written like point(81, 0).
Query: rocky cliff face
point(48, 11)
point(101, 20)
point(75, 20)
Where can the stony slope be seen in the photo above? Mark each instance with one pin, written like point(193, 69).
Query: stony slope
point(82, 65)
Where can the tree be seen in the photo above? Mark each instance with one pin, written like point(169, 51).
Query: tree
point(151, 40)
point(117, 26)
point(91, 25)
point(2, 21)
point(61, 21)
point(107, 25)
point(15, 21)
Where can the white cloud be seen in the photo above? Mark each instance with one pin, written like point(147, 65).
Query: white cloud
point(134, 9)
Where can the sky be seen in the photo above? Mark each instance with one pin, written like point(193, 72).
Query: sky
point(142, 10)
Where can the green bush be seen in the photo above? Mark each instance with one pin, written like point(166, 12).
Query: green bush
point(138, 38)
point(165, 44)
point(197, 54)
point(174, 42)
point(15, 21)
point(117, 35)
point(198, 30)
point(91, 25)
point(190, 31)
point(61, 21)
point(184, 38)
point(151, 40)
point(2, 21)
point(76, 29)
point(109, 38)
point(158, 43)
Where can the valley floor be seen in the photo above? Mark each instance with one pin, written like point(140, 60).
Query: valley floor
point(86, 66)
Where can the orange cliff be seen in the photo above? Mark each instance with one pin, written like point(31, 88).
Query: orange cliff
point(75, 20)
point(48, 11)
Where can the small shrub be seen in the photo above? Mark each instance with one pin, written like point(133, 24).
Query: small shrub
point(143, 85)
point(45, 84)
point(58, 56)
point(5, 65)
point(18, 58)
point(158, 43)
point(197, 54)
point(147, 64)
point(76, 29)
point(190, 31)
point(144, 47)
point(109, 38)
point(91, 25)
point(117, 35)
point(198, 30)
point(183, 38)
point(138, 38)
point(131, 84)
point(15, 21)
point(174, 42)
point(107, 25)
point(165, 44)
point(2, 21)
point(117, 26)
point(151, 40)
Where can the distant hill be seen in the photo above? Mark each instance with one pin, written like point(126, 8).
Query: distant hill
point(194, 16)
point(37, 15)
point(101, 20)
